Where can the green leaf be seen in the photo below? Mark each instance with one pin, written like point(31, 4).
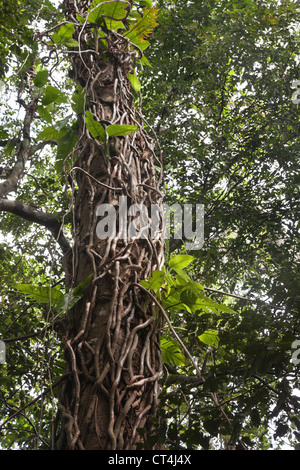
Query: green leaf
point(64, 35)
point(95, 128)
point(143, 28)
point(55, 132)
point(210, 337)
point(41, 78)
point(62, 124)
point(65, 147)
point(145, 61)
point(44, 114)
point(188, 297)
point(115, 10)
point(113, 25)
point(53, 94)
point(171, 353)
point(136, 84)
point(116, 130)
point(49, 133)
point(182, 278)
point(72, 297)
point(77, 102)
point(79, 290)
point(146, 3)
point(155, 282)
point(41, 294)
point(180, 261)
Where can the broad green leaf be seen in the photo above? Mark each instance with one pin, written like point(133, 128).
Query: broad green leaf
point(79, 290)
point(136, 84)
point(182, 277)
point(142, 45)
point(62, 124)
point(115, 10)
point(224, 308)
point(146, 3)
point(145, 61)
point(188, 297)
point(49, 133)
point(55, 132)
point(41, 294)
point(118, 130)
point(41, 78)
point(65, 147)
point(53, 94)
point(155, 282)
point(143, 28)
point(3, 133)
point(95, 128)
point(64, 35)
point(80, 19)
point(45, 114)
point(78, 100)
point(71, 42)
point(196, 285)
point(168, 277)
point(66, 31)
point(210, 337)
point(171, 353)
point(208, 304)
point(180, 261)
point(72, 297)
point(67, 301)
point(66, 143)
point(113, 25)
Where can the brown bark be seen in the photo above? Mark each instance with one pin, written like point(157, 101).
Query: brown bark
point(112, 336)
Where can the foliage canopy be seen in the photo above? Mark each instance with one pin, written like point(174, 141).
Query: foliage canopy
point(217, 88)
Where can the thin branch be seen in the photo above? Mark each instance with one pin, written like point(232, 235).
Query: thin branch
point(32, 402)
point(246, 299)
point(40, 146)
point(20, 338)
point(22, 153)
point(37, 216)
point(96, 181)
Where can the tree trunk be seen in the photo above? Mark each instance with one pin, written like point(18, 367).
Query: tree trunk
point(112, 335)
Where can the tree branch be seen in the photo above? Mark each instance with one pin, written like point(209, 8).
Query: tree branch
point(23, 152)
point(39, 217)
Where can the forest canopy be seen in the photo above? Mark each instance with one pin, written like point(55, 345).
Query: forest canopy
point(217, 84)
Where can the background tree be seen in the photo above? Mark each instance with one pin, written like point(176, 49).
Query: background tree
point(218, 94)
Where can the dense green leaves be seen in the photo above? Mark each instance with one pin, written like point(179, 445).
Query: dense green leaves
point(171, 353)
point(64, 36)
point(229, 130)
point(180, 262)
point(96, 129)
point(54, 297)
point(114, 130)
point(140, 30)
point(115, 10)
point(221, 97)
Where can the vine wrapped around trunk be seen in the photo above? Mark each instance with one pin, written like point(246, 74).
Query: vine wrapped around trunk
point(112, 336)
